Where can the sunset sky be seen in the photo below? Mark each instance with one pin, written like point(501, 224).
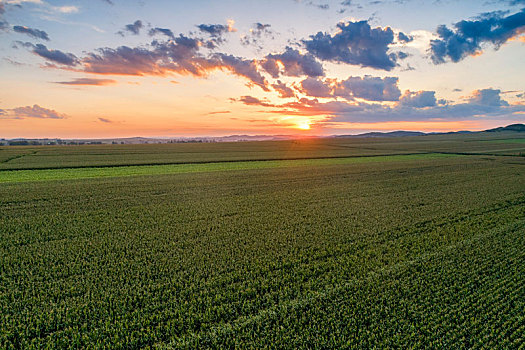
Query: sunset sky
point(159, 68)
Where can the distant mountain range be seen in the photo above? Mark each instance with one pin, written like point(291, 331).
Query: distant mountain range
point(401, 133)
point(235, 138)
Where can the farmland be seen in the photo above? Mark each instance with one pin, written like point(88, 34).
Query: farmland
point(391, 242)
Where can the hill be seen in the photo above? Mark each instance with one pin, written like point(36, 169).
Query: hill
point(512, 127)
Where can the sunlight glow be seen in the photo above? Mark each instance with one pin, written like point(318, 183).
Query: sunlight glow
point(304, 125)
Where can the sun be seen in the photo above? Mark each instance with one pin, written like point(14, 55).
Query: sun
point(303, 125)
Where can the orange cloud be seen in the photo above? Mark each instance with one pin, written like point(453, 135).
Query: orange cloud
point(88, 81)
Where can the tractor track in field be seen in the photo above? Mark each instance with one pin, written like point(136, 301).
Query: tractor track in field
point(211, 161)
point(17, 157)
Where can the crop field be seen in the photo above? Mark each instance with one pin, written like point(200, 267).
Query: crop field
point(90, 172)
point(56, 157)
point(340, 243)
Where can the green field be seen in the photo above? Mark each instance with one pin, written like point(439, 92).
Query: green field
point(517, 140)
point(136, 170)
point(339, 243)
point(38, 157)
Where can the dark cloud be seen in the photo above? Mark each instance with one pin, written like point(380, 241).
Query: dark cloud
point(488, 97)
point(418, 106)
point(402, 37)
point(305, 106)
point(293, 63)
point(261, 28)
point(369, 88)
point(315, 87)
point(123, 61)
point(55, 56)
point(343, 111)
point(35, 33)
point(284, 90)
point(35, 112)
point(180, 55)
point(402, 55)
point(88, 81)
point(105, 120)
point(253, 101)
point(163, 31)
point(355, 43)
point(242, 67)
point(440, 112)
point(216, 30)
point(133, 28)
point(419, 99)
point(468, 37)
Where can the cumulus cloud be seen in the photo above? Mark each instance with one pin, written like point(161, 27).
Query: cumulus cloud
point(122, 61)
point(370, 88)
point(35, 33)
point(292, 63)
point(133, 28)
point(315, 87)
point(468, 37)
point(418, 99)
point(418, 106)
point(33, 112)
point(88, 81)
point(355, 43)
point(488, 97)
point(180, 56)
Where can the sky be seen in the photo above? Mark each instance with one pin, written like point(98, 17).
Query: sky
point(159, 68)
